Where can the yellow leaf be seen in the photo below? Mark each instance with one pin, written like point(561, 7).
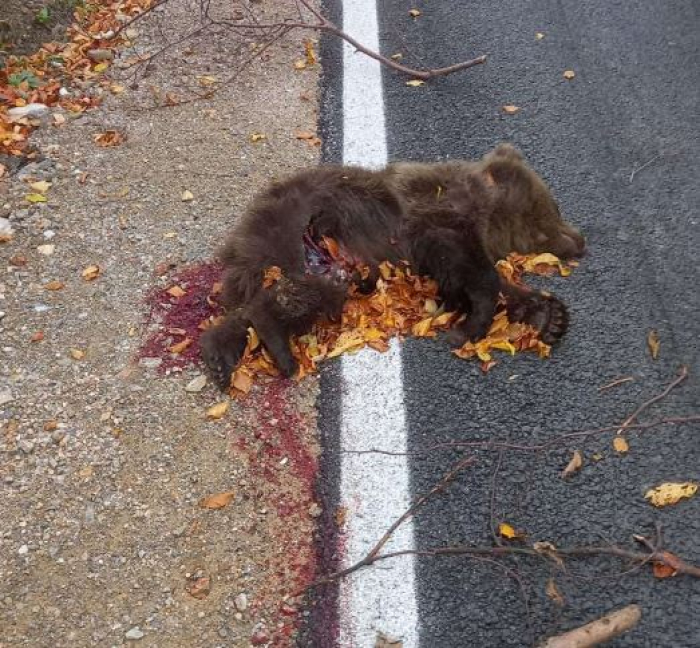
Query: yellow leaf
point(670, 493)
point(422, 328)
point(217, 411)
point(347, 341)
point(309, 51)
point(187, 196)
point(179, 347)
point(35, 198)
point(271, 276)
point(510, 109)
point(77, 354)
point(505, 530)
point(300, 64)
point(574, 465)
point(503, 345)
point(620, 444)
point(206, 80)
point(430, 306)
point(101, 67)
point(91, 272)
point(415, 83)
point(443, 319)
point(257, 137)
point(253, 339)
point(217, 501)
point(242, 381)
point(116, 89)
point(374, 334)
point(569, 74)
point(414, 13)
point(397, 57)
point(41, 187)
point(54, 285)
point(654, 343)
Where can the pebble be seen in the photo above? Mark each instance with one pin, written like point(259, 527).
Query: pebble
point(150, 363)
point(5, 227)
point(47, 249)
point(23, 550)
point(135, 633)
point(26, 446)
point(196, 384)
point(241, 602)
point(6, 397)
point(32, 110)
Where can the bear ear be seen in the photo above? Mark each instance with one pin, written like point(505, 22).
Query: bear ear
point(507, 151)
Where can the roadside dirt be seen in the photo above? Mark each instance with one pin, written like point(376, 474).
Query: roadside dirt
point(104, 455)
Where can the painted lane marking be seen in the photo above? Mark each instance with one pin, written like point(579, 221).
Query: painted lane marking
point(374, 489)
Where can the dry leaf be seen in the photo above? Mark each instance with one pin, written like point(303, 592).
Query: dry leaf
point(206, 80)
point(569, 74)
point(654, 343)
point(35, 198)
point(415, 83)
point(217, 501)
point(242, 381)
point(300, 64)
point(257, 137)
point(396, 57)
point(553, 593)
point(91, 272)
point(37, 337)
point(271, 276)
point(54, 285)
point(199, 588)
point(505, 530)
point(662, 570)
point(574, 465)
point(309, 51)
point(187, 196)
point(77, 354)
point(109, 138)
point(176, 291)
point(387, 641)
point(670, 493)
point(510, 109)
point(217, 411)
point(539, 36)
point(414, 13)
point(620, 444)
point(179, 347)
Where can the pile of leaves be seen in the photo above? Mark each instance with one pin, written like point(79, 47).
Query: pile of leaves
point(87, 54)
point(403, 304)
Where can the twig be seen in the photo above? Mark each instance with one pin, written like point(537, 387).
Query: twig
point(599, 631)
point(373, 555)
point(497, 445)
point(683, 374)
point(492, 506)
point(644, 166)
point(615, 383)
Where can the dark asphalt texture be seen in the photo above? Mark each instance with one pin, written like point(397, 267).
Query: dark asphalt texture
point(634, 102)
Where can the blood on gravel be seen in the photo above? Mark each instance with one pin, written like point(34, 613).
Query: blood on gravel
point(179, 318)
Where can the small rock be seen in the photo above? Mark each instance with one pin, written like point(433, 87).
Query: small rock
point(315, 510)
point(32, 110)
point(135, 634)
point(196, 384)
point(241, 602)
point(23, 550)
point(5, 228)
point(47, 249)
point(26, 446)
point(6, 397)
point(151, 363)
point(100, 55)
point(49, 234)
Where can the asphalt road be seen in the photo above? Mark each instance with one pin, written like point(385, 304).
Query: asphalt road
point(619, 144)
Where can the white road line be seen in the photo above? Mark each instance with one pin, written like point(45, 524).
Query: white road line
point(374, 488)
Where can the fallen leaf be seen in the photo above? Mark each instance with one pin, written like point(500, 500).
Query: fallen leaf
point(109, 138)
point(47, 249)
point(569, 74)
point(257, 137)
point(670, 493)
point(58, 119)
point(18, 260)
point(179, 347)
point(35, 198)
point(304, 135)
point(271, 276)
point(309, 51)
point(397, 57)
point(620, 444)
point(510, 109)
point(662, 570)
point(387, 641)
point(91, 272)
point(217, 411)
point(176, 291)
point(77, 354)
point(553, 593)
point(206, 80)
point(199, 588)
point(37, 337)
point(539, 36)
point(54, 285)
point(654, 343)
point(300, 64)
point(41, 186)
point(242, 381)
point(187, 196)
point(414, 13)
point(506, 531)
point(415, 83)
point(217, 501)
point(574, 465)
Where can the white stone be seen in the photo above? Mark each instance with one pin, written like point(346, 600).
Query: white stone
point(47, 249)
point(32, 110)
point(135, 633)
point(196, 384)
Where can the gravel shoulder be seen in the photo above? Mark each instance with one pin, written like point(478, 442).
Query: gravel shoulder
point(104, 458)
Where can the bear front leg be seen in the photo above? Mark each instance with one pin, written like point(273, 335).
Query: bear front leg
point(222, 348)
point(545, 313)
